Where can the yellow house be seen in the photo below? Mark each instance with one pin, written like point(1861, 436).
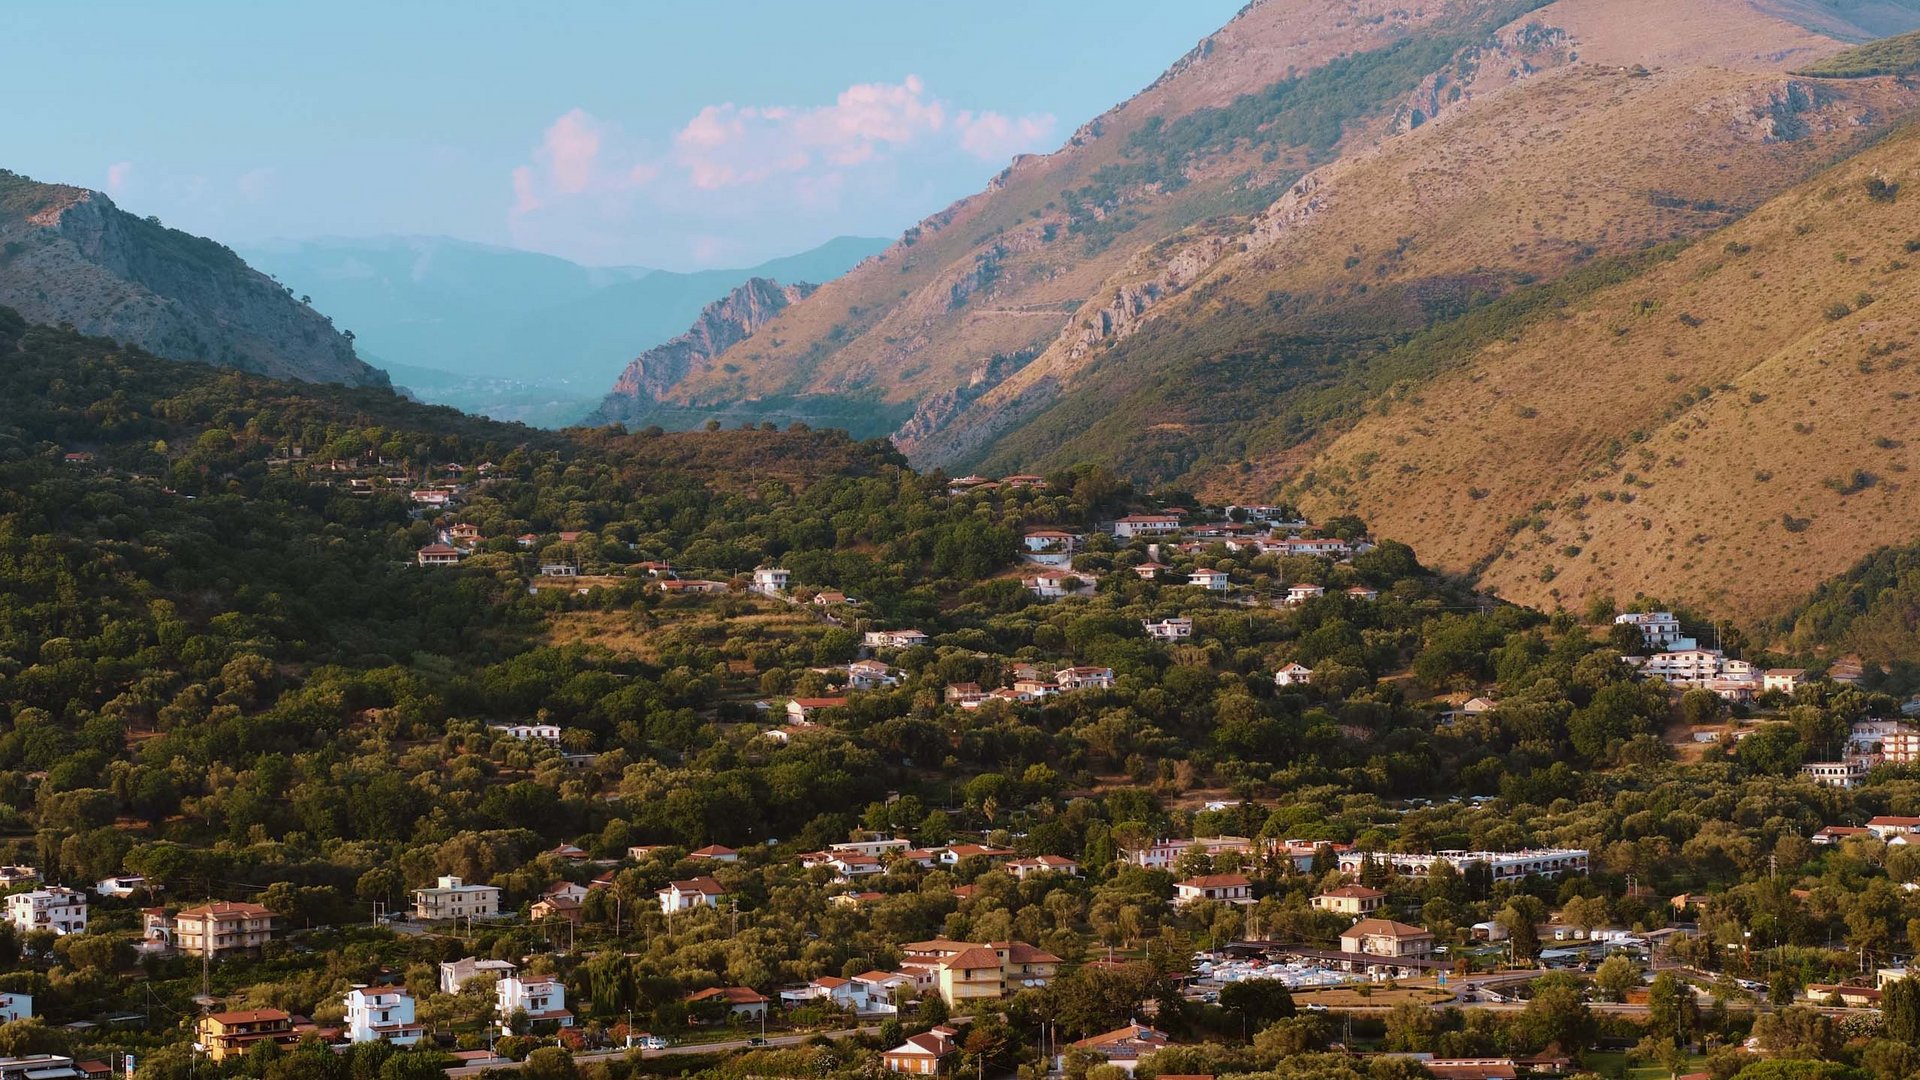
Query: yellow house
point(230, 1034)
point(963, 971)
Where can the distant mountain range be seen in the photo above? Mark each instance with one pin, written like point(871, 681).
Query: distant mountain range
point(512, 334)
point(68, 255)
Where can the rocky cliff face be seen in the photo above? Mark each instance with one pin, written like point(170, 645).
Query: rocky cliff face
point(722, 324)
point(69, 255)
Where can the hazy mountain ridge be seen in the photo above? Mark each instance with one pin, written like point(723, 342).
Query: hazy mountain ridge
point(514, 334)
point(70, 256)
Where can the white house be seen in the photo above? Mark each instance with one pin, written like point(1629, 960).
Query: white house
point(1021, 869)
point(1084, 678)
point(1050, 540)
point(438, 555)
point(15, 1007)
point(1221, 888)
point(1210, 579)
point(56, 908)
point(453, 898)
point(122, 886)
point(385, 1013)
point(688, 895)
point(870, 675)
point(1169, 629)
point(1051, 584)
point(542, 999)
point(1300, 594)
point(1146, 525)
point(1294, 674)
point(893, 639)
point(1363, 594)
point(1838, 774)
point(1785, 680)
point(1659, 629)
point(549, 733)
point(772, 579)
point(455, 974)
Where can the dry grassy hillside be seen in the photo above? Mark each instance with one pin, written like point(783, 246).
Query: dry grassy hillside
point(1001, 273)
point(1728, 430)
point(1590, 152)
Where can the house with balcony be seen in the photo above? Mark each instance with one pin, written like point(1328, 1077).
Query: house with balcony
point(226, 1035)
point(383, 1014)
point(926, 1054)
point(687, 895)
point(1219, 888)
point(1385, 937)
point(452, 898)
point(223, 928)
point(455, 974)
point(1168, 629)
point(543, 999)
point(56, 908)
point(1351, 900)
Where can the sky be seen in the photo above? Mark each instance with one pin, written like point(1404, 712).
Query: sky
point(664, 133)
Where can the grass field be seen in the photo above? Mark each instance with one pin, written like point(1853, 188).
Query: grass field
point(1615, 1066)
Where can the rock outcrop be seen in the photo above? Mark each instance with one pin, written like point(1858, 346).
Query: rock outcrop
point(722, 324)
point(69, 255)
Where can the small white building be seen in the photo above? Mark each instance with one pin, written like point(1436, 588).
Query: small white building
point(548, 733)
point(893, 639)
point(1785, 680)
point(15, 1007)
point(455, 974)
point(1168, 629)
point(1084, 678)
point(1294, 674)
point(1300, 594)
point(1220, 888)
point(542, 999)
point(120, 887)
point(1051, 585)
point(1837, 774)
point(772, 579)
point(870, 675)
point(1040, 540)
point(1146, 525)
point(1659, 629)
point(687, 895)
point(382, 1014)
point(56, 908)
point(1210, 580)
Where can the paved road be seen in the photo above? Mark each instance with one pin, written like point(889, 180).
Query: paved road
point(690, 1048)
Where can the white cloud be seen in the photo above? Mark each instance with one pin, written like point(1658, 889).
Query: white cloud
point(855, 162)
point(571, 150)
point(992, 136)
point(117, 174)
point(253, 184)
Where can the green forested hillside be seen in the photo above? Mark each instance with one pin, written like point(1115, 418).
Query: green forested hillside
point(221, 668)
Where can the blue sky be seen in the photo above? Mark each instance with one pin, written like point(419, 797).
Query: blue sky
point(665, 133)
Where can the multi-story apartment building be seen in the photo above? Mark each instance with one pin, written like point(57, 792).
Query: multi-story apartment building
point(385, 1013)
point(222, 928)
point(227, 1035)
point(453, 898)
point(55, 908)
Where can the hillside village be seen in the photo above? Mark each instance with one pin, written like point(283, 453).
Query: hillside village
point(970, 909)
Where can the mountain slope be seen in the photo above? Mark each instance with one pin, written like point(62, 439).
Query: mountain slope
point(722, 324)
point(69, 255)
point(994, 278)
point(1333, 175)
point(1726, 429)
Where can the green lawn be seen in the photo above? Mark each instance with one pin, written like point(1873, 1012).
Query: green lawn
point(1614, 1065)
